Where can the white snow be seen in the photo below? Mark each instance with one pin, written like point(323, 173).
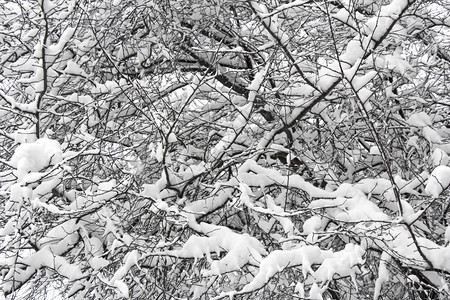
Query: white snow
point(300, 289)
point(244, 114)
point(353, 52)
point(257, 81)
point(411, 217)
point(359, 82)
point(55, 49)
point(344, 16)
point(315, 293)
point(420, 119)
point(377, 26)
point(47, 5)
point(36, 203)
point(151, 191)
point(364, 95)
point(439, 180)
point(9, 228)
point(74, 69)
point(131, 259)
point(331, 263)
point(447, 235)
point(22, 136)
point(255, 175)
point(98, 262)
point(412, 141)
point(272, 23)
point(28, 35)
point(342, 263)
point(172, 138)
point(383, 274)
point(286, 223)
point(284, 7)
point(33, 157)
point(328, 74)
point(122, 287)
point(36, 79)
point(439, 157)
point(203, 206)
point(67, 229)
point(241, 249)
point(25, 64)
point(313, 224)
point(46, 257)
point(396, 63)
point(85, 45)
point(431, 135)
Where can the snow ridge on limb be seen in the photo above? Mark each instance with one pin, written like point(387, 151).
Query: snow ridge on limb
point(241, 249)
point(341, 263)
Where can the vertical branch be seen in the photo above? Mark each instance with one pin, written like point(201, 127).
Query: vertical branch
point(44, 79)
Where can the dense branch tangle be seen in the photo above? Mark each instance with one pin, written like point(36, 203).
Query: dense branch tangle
point(201, 149)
